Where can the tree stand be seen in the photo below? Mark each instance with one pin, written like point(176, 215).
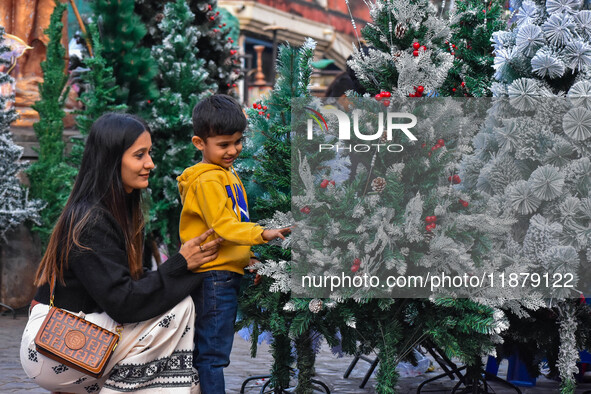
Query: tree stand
point(474, 380)
point(315, 382)
point(306, 358)
point(373, 364)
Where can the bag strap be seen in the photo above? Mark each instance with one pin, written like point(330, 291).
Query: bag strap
point(51, 289)
point(119, 327)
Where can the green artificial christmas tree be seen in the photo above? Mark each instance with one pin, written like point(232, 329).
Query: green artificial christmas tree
point(99, 92)
point(216, 33)
point(15, 206)
point(183, 79)
point(473, 22)
point(134, 69)
point(268, 306)
point(51, 177)
point(404, 52)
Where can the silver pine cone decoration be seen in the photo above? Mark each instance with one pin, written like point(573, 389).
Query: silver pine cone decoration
point(378, 184)
point(315, 305)
point(400, 30)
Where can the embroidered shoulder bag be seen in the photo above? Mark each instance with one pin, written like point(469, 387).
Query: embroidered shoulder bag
point(73, 341)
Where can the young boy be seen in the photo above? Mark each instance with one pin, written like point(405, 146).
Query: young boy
point(213, 197)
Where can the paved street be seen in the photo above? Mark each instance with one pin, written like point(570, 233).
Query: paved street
point(329, 369)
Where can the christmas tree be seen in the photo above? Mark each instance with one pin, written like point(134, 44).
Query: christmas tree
point(134, 69)
point(402, 198)
point(404, 52)
point(50, 177)
point(260, 309)
point(532, 157)
point(473, 23)
point(184, 82)
point(215, 38)
point(151, 13)
point(398, 215)
point(99, 92)
point(15, 206)
point(548, 49)
point(216, 45)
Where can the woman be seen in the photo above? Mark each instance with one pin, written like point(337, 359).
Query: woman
point(95, 257)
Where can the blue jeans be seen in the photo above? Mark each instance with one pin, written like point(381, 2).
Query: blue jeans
point(216, 302)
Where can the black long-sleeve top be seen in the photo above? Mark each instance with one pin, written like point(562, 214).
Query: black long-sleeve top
point(99, 279)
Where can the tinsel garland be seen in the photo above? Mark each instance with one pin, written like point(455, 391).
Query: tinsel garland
point(568, 354)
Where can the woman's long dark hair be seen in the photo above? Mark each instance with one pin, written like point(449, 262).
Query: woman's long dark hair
point(99, 186)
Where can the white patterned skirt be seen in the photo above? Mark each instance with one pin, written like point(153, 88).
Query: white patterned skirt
point(153, 356)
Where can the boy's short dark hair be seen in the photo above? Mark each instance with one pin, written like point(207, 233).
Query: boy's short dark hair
point(219, 114)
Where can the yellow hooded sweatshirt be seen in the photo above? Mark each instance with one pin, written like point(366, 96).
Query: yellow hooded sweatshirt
point(214, 197)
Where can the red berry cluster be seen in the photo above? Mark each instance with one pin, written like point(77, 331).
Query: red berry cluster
point(325, 182)
point(454, 179)
point(464, 203)
point(261, 108)
point(220, 26)
point(383, 95)
point(305, 210)
point(440, 144)
point(430, 223)
point(356, 265)
point(463, 85)
point(416, 46)
point(418, 91)
point(212, 18)
point(233, 85)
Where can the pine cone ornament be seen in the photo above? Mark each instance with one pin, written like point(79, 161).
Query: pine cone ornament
point(400, 30)
point(378, 184)
point(315, 305)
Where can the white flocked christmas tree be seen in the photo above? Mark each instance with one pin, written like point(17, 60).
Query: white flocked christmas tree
point(15, 207)
point(183, 82)
point(404, 52)
point(532, 155)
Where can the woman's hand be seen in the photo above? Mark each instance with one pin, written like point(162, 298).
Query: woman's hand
point(257, 278)
point(197, 254)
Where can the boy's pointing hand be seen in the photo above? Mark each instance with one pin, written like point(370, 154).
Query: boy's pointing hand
point(271, 234)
